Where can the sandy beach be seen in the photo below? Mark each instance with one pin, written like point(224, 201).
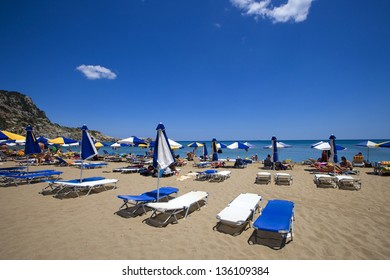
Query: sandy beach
point(330, 223)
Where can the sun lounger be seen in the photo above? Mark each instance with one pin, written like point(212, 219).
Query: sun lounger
point(56, 186)
point(205, 175)
point(283, 179)
point(220, 176)
point(358, 161)
point(324, 180)
point(176, 206)
point(348, 182)
point(198, 163)
point(5, 170)
point(28, 177)
point(239, 212)
point(263, 178)
point(68, 187)
point(276, 217)
point(90, 165)
point(140, 201)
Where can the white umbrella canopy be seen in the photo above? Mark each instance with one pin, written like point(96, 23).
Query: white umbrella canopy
point(238, 145)
point(278, 145)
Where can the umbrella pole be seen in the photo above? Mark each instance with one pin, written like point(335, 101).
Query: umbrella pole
point(158, 184)
point(81, 171)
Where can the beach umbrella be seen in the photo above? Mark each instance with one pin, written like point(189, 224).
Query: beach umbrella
point(195, 145)
point(88, 149)
point(384, 144)
point(43, 140)
point(32, 146)
point(214, 149)
point(221, 146)
point(133, 140)
point(279, 145)
point(250, 145)
point(205, 153)
point(162, 155)
point(6, 135)
point(238, 145)
point(275, 156)
point(99, 144)
point(174, 145)
point(368, 144)
point(333, 149)
point(325, 146)
point(64, 141)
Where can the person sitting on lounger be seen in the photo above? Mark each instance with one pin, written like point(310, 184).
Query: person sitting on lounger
point(268, 163)
point(345, 164)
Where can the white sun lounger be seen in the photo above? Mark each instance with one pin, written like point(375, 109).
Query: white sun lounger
point(263, 178)
point(177, 205)
point(220, 176)
point(240, 211)
point(283, 179)
point(325, 180)
point(348, 182)
point(70, 187)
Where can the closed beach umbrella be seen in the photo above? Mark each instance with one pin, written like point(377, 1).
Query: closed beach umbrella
point(333, 149)
point(275, 156)
point(32, 146)
point(204, 151)
point(163, 155)
point(88, 149)
point(214, 149)
point(368, 144)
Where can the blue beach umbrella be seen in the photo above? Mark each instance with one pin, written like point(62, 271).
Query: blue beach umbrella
point(133, 140)
point(32, 146)
point(214, 150)
point(204, 151)
point(3, 136)
point(238, 145)
point(368, 144)
point(195, 145)
point(88, 149)
point(275, 156)
point(163, 155)
point(384, 144)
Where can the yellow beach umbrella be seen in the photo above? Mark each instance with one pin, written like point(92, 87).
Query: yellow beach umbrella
point(13, 136)
point(63, 141)
point(98, 145)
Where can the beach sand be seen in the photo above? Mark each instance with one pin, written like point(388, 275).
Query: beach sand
point(329, 223)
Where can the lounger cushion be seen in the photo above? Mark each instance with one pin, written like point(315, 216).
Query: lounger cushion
point(150, 196)
point(276, 217)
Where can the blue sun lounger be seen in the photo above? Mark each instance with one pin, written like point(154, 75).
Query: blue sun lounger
point(276, 217)
point(28, 177)
point(139, 201)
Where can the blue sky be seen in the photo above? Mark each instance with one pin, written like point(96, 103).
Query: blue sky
point(239, 69)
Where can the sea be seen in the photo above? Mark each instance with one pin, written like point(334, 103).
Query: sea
point(299, 151)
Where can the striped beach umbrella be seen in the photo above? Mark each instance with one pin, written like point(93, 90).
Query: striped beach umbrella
point(6, 135)
point(368, 144)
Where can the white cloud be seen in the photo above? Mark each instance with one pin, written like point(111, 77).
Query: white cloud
point(94, 72)
point(293, 10)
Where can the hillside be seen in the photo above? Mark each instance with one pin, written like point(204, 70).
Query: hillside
point(18, 110)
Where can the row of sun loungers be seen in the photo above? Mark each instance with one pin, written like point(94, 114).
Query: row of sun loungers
point(340, 181)
point(18, 176)
point(277, 217)
point(280, 178)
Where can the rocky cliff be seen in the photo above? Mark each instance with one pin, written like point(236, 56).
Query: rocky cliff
point(18, 110)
